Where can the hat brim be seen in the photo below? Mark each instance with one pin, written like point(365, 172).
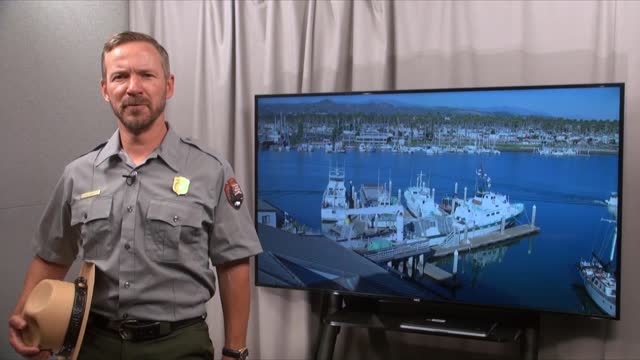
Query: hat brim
point(88, 271)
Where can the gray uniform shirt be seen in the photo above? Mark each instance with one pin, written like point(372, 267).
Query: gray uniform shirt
point(150, 240)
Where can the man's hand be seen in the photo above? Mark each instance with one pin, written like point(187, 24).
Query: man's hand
point(39, 269)
point(16, 325)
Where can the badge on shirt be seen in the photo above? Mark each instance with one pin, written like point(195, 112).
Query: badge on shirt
point(234, 193)
point(181, 185)
point(90, 194)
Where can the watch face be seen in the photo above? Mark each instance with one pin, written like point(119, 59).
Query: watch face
point(244, 353)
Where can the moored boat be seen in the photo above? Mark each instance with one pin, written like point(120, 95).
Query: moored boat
point(599, 280)
point(334, 198)
point(420, 199)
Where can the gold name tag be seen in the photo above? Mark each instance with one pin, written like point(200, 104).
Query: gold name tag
point(90, 194)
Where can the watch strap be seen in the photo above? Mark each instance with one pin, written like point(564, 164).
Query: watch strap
point(236, 354)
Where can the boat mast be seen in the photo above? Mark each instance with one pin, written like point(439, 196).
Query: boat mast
point(613, 246)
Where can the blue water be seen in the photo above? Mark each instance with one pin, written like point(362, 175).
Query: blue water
point(536, 272)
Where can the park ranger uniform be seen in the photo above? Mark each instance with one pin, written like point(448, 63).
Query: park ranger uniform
point(150, 229)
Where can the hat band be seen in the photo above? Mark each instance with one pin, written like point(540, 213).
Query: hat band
point(75, 321)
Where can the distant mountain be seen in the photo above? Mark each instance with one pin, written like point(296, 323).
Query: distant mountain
point(511, 110)
point(383, 108)
point(332, 107)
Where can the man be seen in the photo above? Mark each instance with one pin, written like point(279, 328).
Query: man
point(150, 209)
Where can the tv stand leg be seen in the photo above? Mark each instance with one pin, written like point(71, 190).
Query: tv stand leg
point(327, 342)
point(529, 344)
point(328, 332)
point(380, 343)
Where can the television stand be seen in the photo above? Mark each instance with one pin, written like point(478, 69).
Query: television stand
point(432, 319)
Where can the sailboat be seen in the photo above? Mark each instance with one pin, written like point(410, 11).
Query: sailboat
point(599, 280)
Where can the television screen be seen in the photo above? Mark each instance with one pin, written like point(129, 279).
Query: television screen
point(499, 197)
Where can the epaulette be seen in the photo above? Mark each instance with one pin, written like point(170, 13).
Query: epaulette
point(94, 149)
point(204, 148)
point(99, 146)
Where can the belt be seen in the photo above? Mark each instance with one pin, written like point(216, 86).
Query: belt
point(140, 330)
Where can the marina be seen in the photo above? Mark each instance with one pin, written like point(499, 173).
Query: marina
point(415, 256)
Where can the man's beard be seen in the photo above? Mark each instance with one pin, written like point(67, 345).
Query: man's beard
point(132, 121)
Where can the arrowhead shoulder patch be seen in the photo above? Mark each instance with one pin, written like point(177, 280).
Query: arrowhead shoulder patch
point(234, 193)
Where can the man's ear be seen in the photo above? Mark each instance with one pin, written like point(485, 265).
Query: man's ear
point(103, 89)
point(170, 84)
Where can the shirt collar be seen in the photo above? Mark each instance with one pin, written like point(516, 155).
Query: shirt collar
point(167, 150)
point(110, 149)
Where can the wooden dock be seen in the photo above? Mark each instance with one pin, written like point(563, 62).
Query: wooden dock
point(489, 239)
point(435, 272)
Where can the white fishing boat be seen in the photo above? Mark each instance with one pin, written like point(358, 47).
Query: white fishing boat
point(599, 281)
point(486, 211)
point(420, 199)
point(356, 218)
point(334, 199)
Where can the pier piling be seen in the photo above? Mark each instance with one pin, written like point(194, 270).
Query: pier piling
point(533, 216)
point(455, 261)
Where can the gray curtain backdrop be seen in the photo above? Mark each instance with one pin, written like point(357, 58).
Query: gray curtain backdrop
point(51, 112)
point(225, 52)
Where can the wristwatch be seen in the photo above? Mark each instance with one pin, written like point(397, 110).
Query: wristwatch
point(241, 354)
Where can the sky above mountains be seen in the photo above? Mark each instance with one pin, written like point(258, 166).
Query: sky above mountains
point(592, 103)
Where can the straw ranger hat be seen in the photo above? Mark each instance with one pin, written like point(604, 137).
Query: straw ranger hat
point(57, 311)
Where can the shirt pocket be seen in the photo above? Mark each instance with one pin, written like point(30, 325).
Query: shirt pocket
point(174, 232)
point(93, 215)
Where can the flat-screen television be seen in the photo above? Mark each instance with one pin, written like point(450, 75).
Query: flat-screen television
point(502, 197)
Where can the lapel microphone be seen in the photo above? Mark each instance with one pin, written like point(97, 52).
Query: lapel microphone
point(131, 178)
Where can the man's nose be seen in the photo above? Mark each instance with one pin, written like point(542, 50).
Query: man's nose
point(135, 86)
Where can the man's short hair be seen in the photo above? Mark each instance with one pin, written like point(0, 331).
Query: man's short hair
point(132, 36)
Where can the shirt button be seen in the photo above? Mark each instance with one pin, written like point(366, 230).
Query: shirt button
point(176, 218)
point(127, 246)
point(84, 216)
point(130, 208)
point(126, 284)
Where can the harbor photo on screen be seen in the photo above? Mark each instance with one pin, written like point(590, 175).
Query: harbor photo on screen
point(502, 197)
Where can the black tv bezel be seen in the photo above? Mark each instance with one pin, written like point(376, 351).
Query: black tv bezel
point(456, 305)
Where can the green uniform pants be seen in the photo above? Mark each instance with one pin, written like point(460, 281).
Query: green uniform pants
point(189, 343)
